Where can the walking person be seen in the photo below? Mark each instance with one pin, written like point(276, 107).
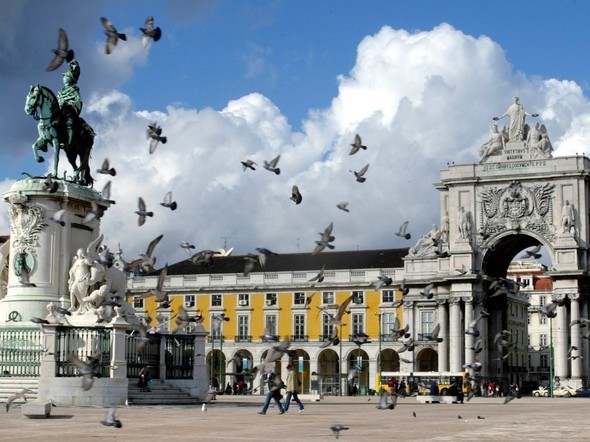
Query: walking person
point(274, 385)
point(292, 389)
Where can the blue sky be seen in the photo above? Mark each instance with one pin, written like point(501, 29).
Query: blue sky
point(231, 80)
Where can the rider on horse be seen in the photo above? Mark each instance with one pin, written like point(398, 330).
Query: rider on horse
point(69, 98)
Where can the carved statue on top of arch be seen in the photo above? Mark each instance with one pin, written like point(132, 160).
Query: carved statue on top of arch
point(427, 243)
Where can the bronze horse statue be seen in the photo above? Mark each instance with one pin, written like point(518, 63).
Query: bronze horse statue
point(42, 104)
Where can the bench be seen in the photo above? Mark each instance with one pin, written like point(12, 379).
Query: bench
point(36, 410)
point(428, 399)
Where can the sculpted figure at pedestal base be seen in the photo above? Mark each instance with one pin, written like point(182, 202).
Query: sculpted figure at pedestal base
point(495, 145)
point(568, 218)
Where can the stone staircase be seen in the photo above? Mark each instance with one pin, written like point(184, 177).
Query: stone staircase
point(9, 386)
point(161, 394)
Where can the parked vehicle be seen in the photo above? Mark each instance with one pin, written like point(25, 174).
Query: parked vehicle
point(541, 392)
point(562, 391)
point(583, 392)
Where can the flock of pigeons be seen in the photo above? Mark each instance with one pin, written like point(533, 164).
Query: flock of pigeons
point(146, 262)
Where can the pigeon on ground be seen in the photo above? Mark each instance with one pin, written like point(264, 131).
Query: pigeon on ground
point(18, 395)
point(360, 174)
point(248, 164)
point(106, 169)
point(110, 419)
point(168, 201)
point(343, 206)
point(154, 134)
point(112, 35)
point(142, 212)
point(358, 144)
point(149, 32)
point(272, 165)
point(337, 428)
point(63, 52)
point(296, 195)
point(402, 232)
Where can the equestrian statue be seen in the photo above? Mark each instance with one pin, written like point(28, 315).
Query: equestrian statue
point(60, 124)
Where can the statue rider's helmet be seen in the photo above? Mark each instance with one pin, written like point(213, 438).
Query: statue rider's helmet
point(73, 71)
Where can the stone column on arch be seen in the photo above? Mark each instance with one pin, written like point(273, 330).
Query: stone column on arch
point(469, 340)
point(585, 348)
point(409, 354)
point(576, 340)
point(455, 334)
point(443, 347)
point(560, 329)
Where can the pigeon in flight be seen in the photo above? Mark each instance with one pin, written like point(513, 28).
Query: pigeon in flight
point(319, 277)
point(106, 193)
point(63, 52)
point(403, 231)
point(58, 217)
point(112, 35)
point(154, 134)
point(248, 164)
point(296, 195)
point(432, 336)
point(110, 420)
point(149, 32)
point(142, 212)
point(332, 340)
point(343, 206)
point(427, 293)
point(168, 201)
point(325, 241)
point(145, 260)
point(358, 144)
point(337, 318)
point(359, 175)
point(272, 165)
point(382, 281)
point(186, 246)
point(87, 369)
point(18, 395)
point(158, 292)
point(106, 169)
point(532, 253)
point(49, 185)
point(264, 255)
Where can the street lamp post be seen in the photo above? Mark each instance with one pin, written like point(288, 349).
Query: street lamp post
point(378, 387)
point(340, 381)
point(551, 356)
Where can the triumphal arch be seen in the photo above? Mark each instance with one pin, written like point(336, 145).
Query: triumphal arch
point(518, 199)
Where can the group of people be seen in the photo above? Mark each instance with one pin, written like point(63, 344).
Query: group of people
point(238, 388)
point(275, 385)
point(397, 387)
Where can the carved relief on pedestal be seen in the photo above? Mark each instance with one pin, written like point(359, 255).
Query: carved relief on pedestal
point(518, 207)
point(26, 221)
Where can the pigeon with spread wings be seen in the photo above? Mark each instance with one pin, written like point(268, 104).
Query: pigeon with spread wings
point(112, 35)
point(142, 212)
point(63, 52)
point(150, 32)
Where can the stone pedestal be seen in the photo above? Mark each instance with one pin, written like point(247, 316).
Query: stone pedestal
point(44, 247)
